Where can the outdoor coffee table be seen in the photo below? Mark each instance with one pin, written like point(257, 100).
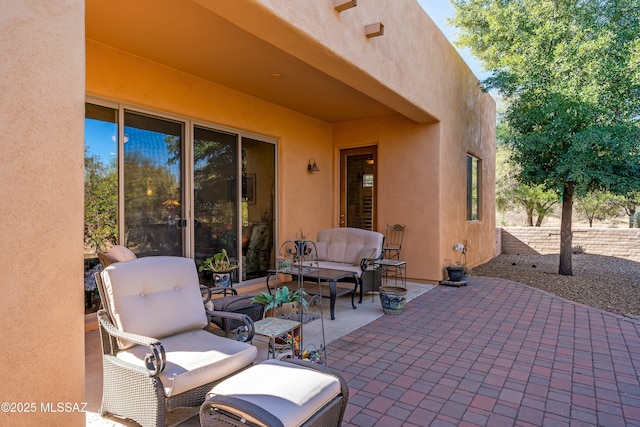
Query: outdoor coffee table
point(326, 276)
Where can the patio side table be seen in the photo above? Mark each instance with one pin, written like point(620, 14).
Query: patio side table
point(399, 270)
point(274, 327)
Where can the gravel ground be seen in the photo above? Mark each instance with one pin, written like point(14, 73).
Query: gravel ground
point(604, 282)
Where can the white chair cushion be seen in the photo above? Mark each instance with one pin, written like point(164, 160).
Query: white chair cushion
point(290, 392)
point(195, 358)
point(121, 253)
point(154, 296)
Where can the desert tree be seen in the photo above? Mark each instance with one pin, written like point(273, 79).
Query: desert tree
point(569, 73)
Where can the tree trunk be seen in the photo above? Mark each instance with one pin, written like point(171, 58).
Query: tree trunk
point(565, 231)
point(539, 220)
point(529, 217)
point(632, 217)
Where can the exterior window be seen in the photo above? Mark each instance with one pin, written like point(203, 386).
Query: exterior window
point(473, 188)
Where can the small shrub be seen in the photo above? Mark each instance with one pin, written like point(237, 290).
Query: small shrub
point(579, 250)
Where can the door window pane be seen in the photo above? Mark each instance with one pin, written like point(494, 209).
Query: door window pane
point(215, 204)
point(258, 205)
point(360, 191)
point(152, 185)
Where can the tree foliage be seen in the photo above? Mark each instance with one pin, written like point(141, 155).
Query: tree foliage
point(100, 204)
point(597, 206)
point(536, 202)
point(629, 203)
point(569, 72)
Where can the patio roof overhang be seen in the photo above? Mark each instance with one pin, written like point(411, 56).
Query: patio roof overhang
point(190, 37)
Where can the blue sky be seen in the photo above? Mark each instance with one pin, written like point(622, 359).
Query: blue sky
point(439, 11)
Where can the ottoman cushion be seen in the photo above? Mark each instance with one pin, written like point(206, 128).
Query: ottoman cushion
point(290, 392)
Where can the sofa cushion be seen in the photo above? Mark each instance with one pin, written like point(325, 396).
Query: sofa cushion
point(336, 251)
point(290, 392)
point(364, 253)
point(195, 358)
point(322, 250)
point(344, 244)
point(154, 296)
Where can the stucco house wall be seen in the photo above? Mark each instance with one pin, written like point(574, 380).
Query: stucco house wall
point(41, 187)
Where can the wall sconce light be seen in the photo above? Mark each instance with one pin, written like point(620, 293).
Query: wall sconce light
point(374, 30)
point(341, 5)
point(313, 166)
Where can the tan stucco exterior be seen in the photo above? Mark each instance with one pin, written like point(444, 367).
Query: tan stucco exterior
point(41, 186)
point(408, 92)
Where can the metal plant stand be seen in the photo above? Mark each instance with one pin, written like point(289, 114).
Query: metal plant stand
point(297, 258)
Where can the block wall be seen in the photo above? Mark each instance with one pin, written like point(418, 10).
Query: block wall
point(618, 242)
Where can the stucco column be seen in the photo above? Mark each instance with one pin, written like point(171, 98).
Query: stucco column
point(42, 75)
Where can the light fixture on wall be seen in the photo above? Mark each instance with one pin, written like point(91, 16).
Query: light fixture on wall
point(313, 166)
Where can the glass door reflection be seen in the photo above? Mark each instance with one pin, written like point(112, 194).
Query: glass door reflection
point(153, 185)
point(215, 192)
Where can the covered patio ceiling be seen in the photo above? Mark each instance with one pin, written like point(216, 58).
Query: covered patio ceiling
point(188, 37)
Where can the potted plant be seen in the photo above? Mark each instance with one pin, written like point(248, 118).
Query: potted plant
point(457, 270)
point(221, 267)
point(301, 244)
point(283, 300)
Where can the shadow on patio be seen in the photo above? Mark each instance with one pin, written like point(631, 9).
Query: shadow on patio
point(492, 353)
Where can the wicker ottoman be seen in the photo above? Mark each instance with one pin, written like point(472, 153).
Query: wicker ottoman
point(278, 393)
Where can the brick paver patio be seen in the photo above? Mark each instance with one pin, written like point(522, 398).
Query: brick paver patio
point(493, 353)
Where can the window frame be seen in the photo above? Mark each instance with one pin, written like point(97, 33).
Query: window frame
point(474, 188)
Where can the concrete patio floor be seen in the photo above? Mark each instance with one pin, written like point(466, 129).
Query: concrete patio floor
point(493, 353)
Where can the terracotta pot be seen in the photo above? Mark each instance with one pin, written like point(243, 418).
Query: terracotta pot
point(289, 308)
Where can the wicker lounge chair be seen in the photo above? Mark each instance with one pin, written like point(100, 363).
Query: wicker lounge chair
point(230, 304)
point(157, 355)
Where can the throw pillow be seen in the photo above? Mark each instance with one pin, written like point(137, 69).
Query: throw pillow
point(121, 253)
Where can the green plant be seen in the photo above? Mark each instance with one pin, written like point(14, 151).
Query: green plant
point(301, 235)
point(281, 296)
point(219, 263)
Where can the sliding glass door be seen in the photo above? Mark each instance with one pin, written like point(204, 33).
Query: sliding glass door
point(215, 193)
point(165, 186)
point(153, 185)
point(258, 205)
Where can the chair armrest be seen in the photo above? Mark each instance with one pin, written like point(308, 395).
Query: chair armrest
point(155, 361)
point(366, 262)
point(250, 327)
point(219, 290)
point(206, 293)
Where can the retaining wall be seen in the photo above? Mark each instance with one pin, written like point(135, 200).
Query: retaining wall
point(618, 242)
